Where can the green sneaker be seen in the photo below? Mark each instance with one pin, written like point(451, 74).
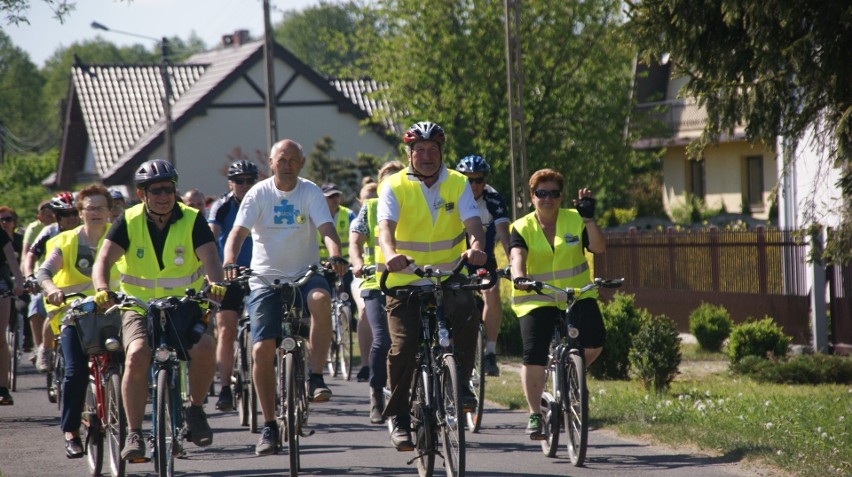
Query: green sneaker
point(534, 427)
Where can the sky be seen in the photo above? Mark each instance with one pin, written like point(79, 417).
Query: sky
point(209, 19)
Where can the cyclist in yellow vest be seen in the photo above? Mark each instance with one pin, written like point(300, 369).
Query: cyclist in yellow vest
point(162, 248)
point(548, 245)
point(423, 214)
point(67, 268)
point(364, 251)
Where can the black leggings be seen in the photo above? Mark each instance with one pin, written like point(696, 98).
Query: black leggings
point(537, 329)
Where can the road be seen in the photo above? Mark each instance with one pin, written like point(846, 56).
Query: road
point(345, 443)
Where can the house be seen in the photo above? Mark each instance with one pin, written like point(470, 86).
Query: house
point(732, 174)
point(114, 120)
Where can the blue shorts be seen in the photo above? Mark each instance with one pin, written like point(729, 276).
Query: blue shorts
point(36, 306)
point(264, 305)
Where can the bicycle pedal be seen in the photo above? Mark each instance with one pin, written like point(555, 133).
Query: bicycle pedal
point(141, 460)
point(537, 437)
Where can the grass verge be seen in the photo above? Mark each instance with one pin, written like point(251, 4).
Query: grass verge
point(803, 429)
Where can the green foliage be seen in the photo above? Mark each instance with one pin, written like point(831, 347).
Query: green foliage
point(655, 355)
point(615, 217)
point(322, 166)
point(16, 10)
point(779, 68)
point(447, 64)
point(21, 105)
point(762, 338)
point(805, 369)
point(693, 210)
point(20, 181)
point(711, 326)
point(622, 320)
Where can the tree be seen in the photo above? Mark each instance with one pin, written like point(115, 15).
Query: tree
point(447, 64)
point(16, 10)
point(21, 104)
point(322, 166)
point(323, 36)
point(779, 68)
point(20, 181)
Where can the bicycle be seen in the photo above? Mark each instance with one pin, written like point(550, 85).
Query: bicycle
point(103, 410)
point(477, 375)
point(245, 396)
point(340, 351)
point(55, 373)
point(294, 406)
point(565, 400)
point(435, 397)
point(168, 426)
point(14, 338)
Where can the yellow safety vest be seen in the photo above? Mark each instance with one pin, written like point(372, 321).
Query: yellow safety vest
point(372, 253)
point(141, 276)
point(564, 265)
point(438, 244)
point(341, 225)
point(69, 279)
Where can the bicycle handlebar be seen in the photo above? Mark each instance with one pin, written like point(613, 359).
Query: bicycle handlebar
point(538, 286)
point(434, 276)
point(166, 303)
point(295, 282)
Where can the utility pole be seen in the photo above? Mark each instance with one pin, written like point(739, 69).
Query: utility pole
point(517, 129)
point(271, 97)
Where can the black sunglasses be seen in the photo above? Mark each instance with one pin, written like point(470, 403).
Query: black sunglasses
point(239, 181)
point(7, 219)
point(476, 180)
point(165, 190)
point(70, 213)
point(543, 193)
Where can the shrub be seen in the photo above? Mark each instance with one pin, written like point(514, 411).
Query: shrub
point(711, 325)
point(806, 369)
point(762, 338)
point(655, 355)
point(622, 319)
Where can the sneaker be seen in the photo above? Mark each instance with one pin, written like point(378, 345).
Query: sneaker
point(6, 397)
point(534, 427)
point(318, 390)
point(134, 446)
point(363, 374)
point(401, 433)
point(73, 448)
point(43, 359)
point(199, 431)
point(226, 400)
point(469, 401)
point(268, 443)
point(489, 365)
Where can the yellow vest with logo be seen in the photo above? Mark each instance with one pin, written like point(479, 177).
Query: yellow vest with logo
point(69, 279)
point(438, 244)
point(372, 253)
point(564, 265)
point(141, 276)
point(341, 225)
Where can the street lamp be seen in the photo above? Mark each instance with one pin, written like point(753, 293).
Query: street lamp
point(164, 75)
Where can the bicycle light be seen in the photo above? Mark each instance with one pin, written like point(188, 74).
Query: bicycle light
point(288, 343)
point(162, 355)
point(573, 332)
point(112, 344)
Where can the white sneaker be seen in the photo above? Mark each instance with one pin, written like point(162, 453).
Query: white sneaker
point(42, 359)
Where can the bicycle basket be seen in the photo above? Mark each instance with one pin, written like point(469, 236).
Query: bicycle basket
point(181, 331)
point(94, 329)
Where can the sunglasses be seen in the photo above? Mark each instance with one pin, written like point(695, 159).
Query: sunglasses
point(65, 215)
point(239, 181)
point(476, 180)
point(542, 193)
point(166, 190)
point(7, 219)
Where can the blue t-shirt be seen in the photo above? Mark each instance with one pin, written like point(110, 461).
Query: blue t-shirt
point(223, 212)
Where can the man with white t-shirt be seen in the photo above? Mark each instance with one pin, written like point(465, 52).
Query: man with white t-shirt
point(284, 214)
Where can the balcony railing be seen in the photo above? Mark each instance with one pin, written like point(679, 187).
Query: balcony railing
point(678, 116)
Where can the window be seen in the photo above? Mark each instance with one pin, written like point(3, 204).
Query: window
point(695, 182)
point(754, 181)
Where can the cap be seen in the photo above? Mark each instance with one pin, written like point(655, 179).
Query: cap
point(116, 194)
point(329, 189)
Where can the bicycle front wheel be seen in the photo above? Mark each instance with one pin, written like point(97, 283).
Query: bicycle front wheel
point(550, 410)
point(345, 350)
point(58, 375)
point(165, 437)
point(424, 426)
point(13, 339)
point(116, 424)
point(477, 384)
point(451, 418)
point(91, 432)
point(290, 397)
point(576, 407)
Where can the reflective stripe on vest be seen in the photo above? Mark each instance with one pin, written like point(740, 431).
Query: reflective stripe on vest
point(564, 265)
point(341, 226)
point(438, 243)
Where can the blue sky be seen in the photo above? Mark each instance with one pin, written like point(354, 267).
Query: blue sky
point(209, 19)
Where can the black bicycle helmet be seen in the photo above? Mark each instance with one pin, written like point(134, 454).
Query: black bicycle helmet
point(473, 164)
point(424, 131)
point(242, 168)
point(62, 201)
point(155, 170)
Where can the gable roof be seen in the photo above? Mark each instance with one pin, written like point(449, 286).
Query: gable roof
point(121, 105)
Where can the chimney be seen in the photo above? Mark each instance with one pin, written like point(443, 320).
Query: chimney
point(239, 37)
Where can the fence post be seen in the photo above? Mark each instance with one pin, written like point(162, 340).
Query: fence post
point(670, 242)
point(633, 250)
point(816, 268)
point(762, 278)
point(714, 258)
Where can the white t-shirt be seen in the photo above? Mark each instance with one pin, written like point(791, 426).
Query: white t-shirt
point(283, 227)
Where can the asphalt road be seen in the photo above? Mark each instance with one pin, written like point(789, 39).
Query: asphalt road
point(345, 443)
